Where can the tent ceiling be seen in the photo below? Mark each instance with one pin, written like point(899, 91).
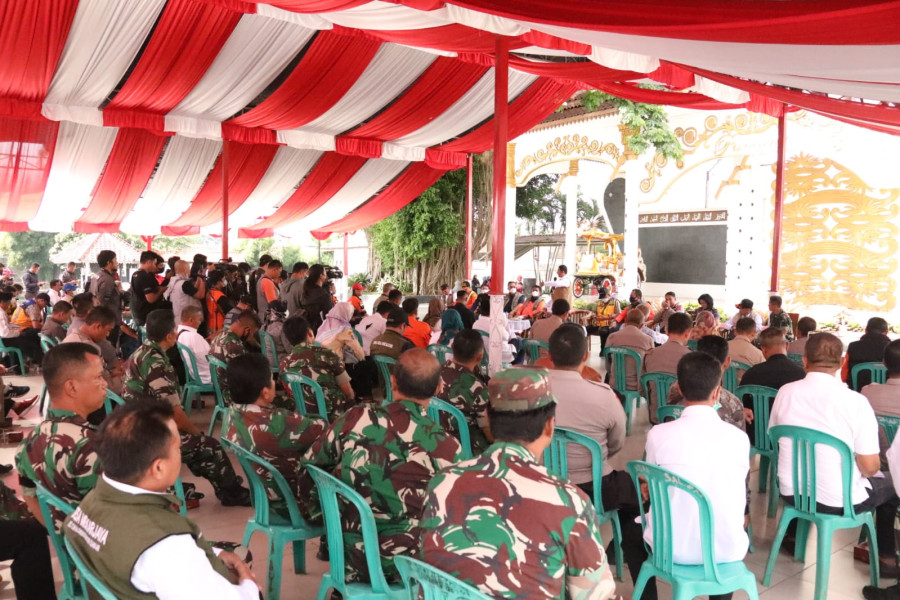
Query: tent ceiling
point(339, 112)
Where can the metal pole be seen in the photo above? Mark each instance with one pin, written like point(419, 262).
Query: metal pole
point(470, 190)
point(779, 202)
point(224, 199)
point(501, 126)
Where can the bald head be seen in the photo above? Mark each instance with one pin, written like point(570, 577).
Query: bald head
point(182, 267)
point(823, 353)
point(417, 374)
point(635, 317)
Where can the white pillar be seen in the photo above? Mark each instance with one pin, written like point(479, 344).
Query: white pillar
point(495, 344)
point(632, 191)
point(509, 240)
point(571, 189)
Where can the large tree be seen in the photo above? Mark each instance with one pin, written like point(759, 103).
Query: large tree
point(24, 248)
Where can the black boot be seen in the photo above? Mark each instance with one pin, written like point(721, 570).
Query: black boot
point(871, 592)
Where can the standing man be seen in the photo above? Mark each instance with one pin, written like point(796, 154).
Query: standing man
point(30, 281)
point(184, 290)
point(561, 284)
point(469, 297)
point(55, 291)
point(292, 289)
point(254, 277)
point(446, 296)
point(68, 274)
point(107, 290)
point(266, 288)
point(146, 291)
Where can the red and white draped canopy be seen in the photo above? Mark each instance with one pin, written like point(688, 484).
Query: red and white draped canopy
point(337, 113)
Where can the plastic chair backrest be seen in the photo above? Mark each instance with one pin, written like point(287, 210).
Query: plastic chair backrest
point(46, 499)
point(877, 371)
point(87, 575)
point(329, 488)
point(438, 406)
point(47, 342)
point(730, 379)
point(796, 357)
point(433, 583)
point(358, 336)
point(804, 469)
point(384, 364)
point(258, 488)
point(668, 411)
point(661, 482)
point(440, 352)
point(761, 407)
point(890, 424)
point(533, 348)
point(295, 382)
point(270, 350)
point(556, 458)
point(692, 344)
point(617, 355)
point(142, 333)
point(215, 364)
point(661, 382)
point(191, 371)
point(112, 398)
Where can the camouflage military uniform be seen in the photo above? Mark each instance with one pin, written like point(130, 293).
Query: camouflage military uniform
point(388, 454)
point(327, 369)
point(149, 374)
point(280, 437)
point(782, 321)
point(11, 508)
point(503, 524)
point(225, 346)
point(467, 391)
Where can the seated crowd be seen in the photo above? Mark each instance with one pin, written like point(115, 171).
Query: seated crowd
point(471, 497)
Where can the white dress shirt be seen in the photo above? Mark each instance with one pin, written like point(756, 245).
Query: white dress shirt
point(370, 328)
point(714, 456)
point(564, 281)
point(7, 330)
point(730, 323)
point(822, 402)
point(176, 567)
point(55, 296)
point(200, 348)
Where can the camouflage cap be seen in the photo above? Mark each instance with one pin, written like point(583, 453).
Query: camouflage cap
point(519, 389)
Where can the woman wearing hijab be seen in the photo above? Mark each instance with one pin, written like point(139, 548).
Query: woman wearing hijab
point(704, 324)
point(433, 316)
point(451, 323)
point(336, 333)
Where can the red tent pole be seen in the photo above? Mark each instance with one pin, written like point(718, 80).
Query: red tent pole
point(224, 199)
point(148, 239)
point(469, 199)
point(501, 127)
point(779, 202)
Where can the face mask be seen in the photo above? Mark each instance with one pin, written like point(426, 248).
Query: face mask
point(485, 291)
point(632, 299)
point(512, 290)
point(535, 294)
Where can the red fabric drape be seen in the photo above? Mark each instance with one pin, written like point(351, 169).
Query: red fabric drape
point(32, 37)
point(545, 40)
point(186, 40)
point(444, 160)
point(330, 66)
point(672, 75)
point(449, 38)
point(358, 147)
point(128, 169)
point(403, 190)
point(683, 99)
point(247, 163)
point(437, 89)
point(26, 153)
point(330, 174)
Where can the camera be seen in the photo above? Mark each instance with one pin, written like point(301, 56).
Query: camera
point(333, 273)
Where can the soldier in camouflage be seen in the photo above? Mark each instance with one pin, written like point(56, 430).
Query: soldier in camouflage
point(388, 454)
point(279, 436)
point(502, 523)
point(465, 388)
point(318, 363)
point(11, 508)
point(149, 374)
point(233, 341)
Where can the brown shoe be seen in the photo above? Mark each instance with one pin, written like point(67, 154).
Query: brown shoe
point(24, 405)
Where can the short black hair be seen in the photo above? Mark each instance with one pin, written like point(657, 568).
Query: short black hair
point(62, 361)
point(876, 325)
point(61, 307)
point(715, 346)
point(806, 325)
point(410, 306)
point(82, 303)
point(466, 345)
point(384, 307)
point(461, 294)
point(54, 282)
point(214, 277)
point(522, 426)
point(72, 263)
point(274, 264)
point(771, 337)
point(417, 373)
point(295, 329)
point(776, 300)
point(264, 260)
point(248, 317)
point(133, 436)
point(568, 345)
point(299, 267)
point(892, 358)
point(637, 293)
point(395, 293)
point(563, 268)
point(160, 323)
point(679, 323)
point(699, 374)
point(670, 294)
point(6, 297)
point(484, 305)
point(445, 286)
point(745, 325)
point(245, 299)
point(102, 315)
point(246, 376)
point(104, 257)
point(43, 296)
point(148, 255)
point(560, 307)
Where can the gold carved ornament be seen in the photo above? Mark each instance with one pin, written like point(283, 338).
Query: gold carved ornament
point(839, 238)
point(565, 148)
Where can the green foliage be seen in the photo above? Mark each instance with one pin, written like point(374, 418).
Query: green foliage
point(363, 278)
point(284, 251)
point(539, 204)
point(649, 120)
point(165, 245)
point(21, 249)
point(585, 305)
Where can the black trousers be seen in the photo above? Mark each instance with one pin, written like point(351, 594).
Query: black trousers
point(25, 542)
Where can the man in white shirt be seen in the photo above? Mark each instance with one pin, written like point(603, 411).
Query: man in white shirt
point(708, 453)
point(373, 325)
point(55, 291)
point(126, 527)
point(191, 318)
point(745, 309)
point(561, 284)
point(885, 397)
point(822, 402)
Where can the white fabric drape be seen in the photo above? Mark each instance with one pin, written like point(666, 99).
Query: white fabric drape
point(391, 71)
point(183, 168)
point(306, 140)
point(627, 61)
point(407, 153)
point(309, 21)
point(483, 21)
point(472, 108)
point(81, 153)
point(387, 16)
point(718, 91)
point(103, 41)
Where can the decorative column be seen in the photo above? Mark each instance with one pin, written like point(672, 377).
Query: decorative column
point(509, 239)
point(571, 183)
point(632, 195)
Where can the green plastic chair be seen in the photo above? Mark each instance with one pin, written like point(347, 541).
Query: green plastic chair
point(687, 581)
point(433, 583)
point(533, 349)
point(890, 424)
point(616, 355)
point(803, 443)
point(358, 336)
point(440, 352)
point(16, 353)
point(296, 382)
point(269, 349)
point(278, 529)
point(557, 463)
point(796, 357)
point(762, 443)
point(47, 342)
point(193, 385)
point(111, 401)
point(485, 359)
point(730, 379)
point(385, 365)
point(877, 371)
point(142, 333)
point(219, 409)
point(660, 382)
point(72, 589)
point(668, 411)
point(438, 406)
point(330, 488)
point(692, 344)
point(87, 575)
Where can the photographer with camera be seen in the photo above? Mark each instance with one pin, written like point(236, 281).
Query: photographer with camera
point(317, 301)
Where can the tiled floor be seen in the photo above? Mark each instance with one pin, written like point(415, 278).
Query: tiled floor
point(791, 580)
